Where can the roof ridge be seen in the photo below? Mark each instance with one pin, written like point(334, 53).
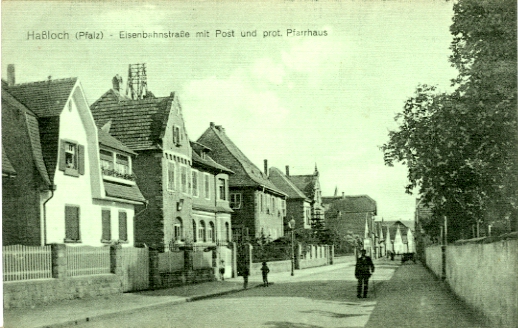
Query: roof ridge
point(66, 79)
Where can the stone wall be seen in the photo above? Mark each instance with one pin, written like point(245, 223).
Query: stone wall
point(29, 293)
point(277, 266)
point(484, 275)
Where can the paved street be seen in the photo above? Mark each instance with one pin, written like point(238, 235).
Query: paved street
point(323, 299)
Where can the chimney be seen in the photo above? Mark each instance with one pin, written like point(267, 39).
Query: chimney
point(10, 75)
point(212, 124)
point(266, 167)
point(220, 128)
point(117, 82)
point(287, 170)
point(343, 195)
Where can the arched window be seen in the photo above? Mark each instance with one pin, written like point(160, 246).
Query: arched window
point(178, 229)
point(201, 232)
point(227, 231)
point(194, 231)
point(210, 232)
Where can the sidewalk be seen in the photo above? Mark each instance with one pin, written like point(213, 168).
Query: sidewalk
point(414, 297)
point(69, 312)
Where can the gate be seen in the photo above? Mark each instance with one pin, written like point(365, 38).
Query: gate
point(135, 267)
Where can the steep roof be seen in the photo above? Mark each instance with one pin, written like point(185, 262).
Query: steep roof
point(44, 98)
point(208, 162)
point(354, 204)
point(306, 183)
point(117, 190)
point(281, 181)
point(139, 124)
point(7, 167)
point(246, 173)
point(109, 141)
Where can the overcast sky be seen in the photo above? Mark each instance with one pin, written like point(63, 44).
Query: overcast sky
point(295, 101)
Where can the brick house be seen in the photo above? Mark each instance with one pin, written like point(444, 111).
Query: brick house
point(60, 193)
point(258, 205)
point(352, 215)
point(178, 179)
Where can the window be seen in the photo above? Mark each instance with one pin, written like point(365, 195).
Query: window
point(178, 227)
point(72, 233)
point(227, 231)
point(106, 160)
point(222, 188)
point(201, 231)
point(267, 201)
point(176, 135)
point(122, 164)
point(72, 160)
point(210, 232)
point(170, 175)
point(195, 183)
point(261, 199)
point(194, 231)
point(207, 186)
point(106, 226)
point(235, 201)
point(283, 206)
point(184, 179)
point(123, 226)
point(273, 204)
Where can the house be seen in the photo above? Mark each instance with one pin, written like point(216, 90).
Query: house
point(399, 236)
point(352, 215)
point(187, 190)
point(258, 206)
point(61, 193)
point(304, 203)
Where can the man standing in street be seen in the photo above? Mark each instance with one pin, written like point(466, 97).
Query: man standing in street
point(362, 272)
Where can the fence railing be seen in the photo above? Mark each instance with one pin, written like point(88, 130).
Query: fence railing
point(26, 262)
point(87, 260)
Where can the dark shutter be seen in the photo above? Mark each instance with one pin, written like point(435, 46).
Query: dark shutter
point(123, 226)
point(62, 160)
point(72, 223)
point(106, 226)
point(81, 159)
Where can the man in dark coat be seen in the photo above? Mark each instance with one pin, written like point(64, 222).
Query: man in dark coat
point(364, 268)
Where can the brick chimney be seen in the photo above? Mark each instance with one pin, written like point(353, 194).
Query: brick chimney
point(117, 82)
point(287, 170)
point(10, 75)
point(266, 167)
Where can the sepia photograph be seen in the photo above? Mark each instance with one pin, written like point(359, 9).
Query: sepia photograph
point(278, 163)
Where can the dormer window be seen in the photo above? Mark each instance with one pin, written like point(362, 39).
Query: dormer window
point(116, 165)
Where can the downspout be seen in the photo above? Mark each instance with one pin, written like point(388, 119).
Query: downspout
point(52, 188)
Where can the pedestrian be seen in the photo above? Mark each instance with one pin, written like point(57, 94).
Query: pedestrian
point(362, 272)
point(222, 270)
point(265, 271)
point(245, 272)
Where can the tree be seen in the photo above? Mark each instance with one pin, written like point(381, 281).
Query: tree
point(461, 147)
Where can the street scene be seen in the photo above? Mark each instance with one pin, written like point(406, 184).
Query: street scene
point(248, 164)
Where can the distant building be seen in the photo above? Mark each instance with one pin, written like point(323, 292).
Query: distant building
point(304, 203)
point(259, 207)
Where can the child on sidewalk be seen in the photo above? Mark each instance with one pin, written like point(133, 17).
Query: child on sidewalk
point(265, 271)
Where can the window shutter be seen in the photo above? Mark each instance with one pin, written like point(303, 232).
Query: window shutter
point(106, 225)
point(72, 223)
point(123, 226)
point(81, 159)
point(62, 163)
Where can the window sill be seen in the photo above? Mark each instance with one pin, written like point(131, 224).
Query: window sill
point(72, 172)
point(72, 241)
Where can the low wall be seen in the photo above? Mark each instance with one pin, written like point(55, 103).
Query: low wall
point(304, 264)
point(485, 276)
point(29, 293)
point(343, 259)
point(277, 266)
point(179, 278)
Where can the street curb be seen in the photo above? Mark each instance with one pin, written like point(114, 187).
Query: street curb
point(125, 311)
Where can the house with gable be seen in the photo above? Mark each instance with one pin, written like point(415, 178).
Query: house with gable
point(304, 203)
point(258, 205)
point(186, 189)
point(400, 236)
point(60, 193)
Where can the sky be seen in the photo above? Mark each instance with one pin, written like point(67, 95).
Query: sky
point(326, 100)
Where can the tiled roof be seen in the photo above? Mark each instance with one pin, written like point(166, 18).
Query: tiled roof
point(354, 204)
point(7, 167)
point(45, 98)
point(109, 141)
point(197, 160)
point(393, 225)
point(136, 123)
point(246, 173)
point(306, 183)
point(122, 191)
point(282, 182)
